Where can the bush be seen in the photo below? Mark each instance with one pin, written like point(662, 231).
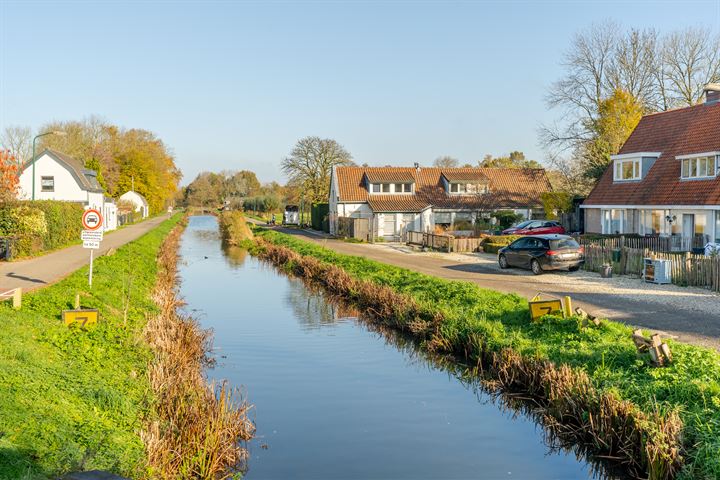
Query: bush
point(506, 218)
point(263, 203)
point(233, 227)
point(492, 247)
point(40, 226)
point(499, 239)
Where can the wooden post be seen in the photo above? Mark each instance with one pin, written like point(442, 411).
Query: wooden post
point(17, 298)
point(567, 306)
point(77, 301)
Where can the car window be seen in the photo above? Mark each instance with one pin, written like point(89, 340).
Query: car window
point(536, 224)
point(549, 224)
point(520, 243)
point(564, 243)
point(535, 243)
point(523, 224)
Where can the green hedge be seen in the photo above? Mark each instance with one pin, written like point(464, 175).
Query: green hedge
point(492, 247)
point(41, 225)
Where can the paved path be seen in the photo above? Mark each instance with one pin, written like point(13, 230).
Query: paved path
point(692, 326)
point(38, 272)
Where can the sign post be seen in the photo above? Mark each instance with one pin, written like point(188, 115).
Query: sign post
point(91, 235)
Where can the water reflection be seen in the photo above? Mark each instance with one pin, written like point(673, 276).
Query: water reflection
point(315, 309)
point(234, 256)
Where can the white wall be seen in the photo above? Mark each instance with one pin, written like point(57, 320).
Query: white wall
point(109, 213)
point(137, 200)
point(66, 187)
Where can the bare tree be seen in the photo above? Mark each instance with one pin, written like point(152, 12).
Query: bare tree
point(18, 140)
point(446, 161)
point(690, 59)
point(310, 165)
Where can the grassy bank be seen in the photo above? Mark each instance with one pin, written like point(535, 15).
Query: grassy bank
point(233, 227)
point(72, 399)
point(591, 383)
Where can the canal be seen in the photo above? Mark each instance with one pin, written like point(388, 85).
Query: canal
point(336, 400)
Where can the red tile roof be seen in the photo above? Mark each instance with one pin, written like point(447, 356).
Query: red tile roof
point(389, 176)
point(673, 133)
point(508, 187)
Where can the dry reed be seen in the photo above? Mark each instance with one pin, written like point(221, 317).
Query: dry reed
point(198, 429)
point(646, 445)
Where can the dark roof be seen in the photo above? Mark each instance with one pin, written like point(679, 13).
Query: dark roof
point(674, 133)
point(387, 175)
point(508, 187)
point(463, 176)
point(86, 179)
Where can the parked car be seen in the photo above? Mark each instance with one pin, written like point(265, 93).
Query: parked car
point(543, 252)
point(535, 227)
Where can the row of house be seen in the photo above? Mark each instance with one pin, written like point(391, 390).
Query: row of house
point(61, 177)
point(664, 181)
point(398, 199)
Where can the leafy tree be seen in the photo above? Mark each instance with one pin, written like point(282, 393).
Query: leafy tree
point(310, 164)
point(8, 176)
point(446, 161)
point(513, 160)
point(618, 116)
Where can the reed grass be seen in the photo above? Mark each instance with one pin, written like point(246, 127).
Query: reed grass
point(590, 383)
point(234, 228)
point(198, 429)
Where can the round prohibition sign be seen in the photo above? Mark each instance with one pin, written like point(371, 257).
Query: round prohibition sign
point(92, 219)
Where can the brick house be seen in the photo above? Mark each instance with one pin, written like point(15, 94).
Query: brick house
point(397, 199)
point(664, 181)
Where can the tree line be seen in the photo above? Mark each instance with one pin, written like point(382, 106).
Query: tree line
point(124, 159)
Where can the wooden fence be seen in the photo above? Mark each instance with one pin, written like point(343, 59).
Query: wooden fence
point(686, 269)
point(654, 243)
point(447, 243)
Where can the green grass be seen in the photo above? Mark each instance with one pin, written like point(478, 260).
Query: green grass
point(74, 399)
point(690, 385)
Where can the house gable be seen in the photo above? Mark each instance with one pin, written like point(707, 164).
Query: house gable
point(674, 135)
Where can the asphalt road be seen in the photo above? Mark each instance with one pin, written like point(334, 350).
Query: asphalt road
point(688, 326)
point(38, 272)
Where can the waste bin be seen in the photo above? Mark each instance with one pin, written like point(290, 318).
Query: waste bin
point(606, 271)
point(616, 254)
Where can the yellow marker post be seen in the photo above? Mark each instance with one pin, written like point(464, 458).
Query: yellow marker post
point(567, 305)
point(83, 317)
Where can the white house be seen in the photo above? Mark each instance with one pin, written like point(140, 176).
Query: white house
point(61, 177)
point(397, 199)
point(140, 203)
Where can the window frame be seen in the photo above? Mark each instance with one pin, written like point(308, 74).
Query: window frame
point(44, 178)
point(690, 164)
point(618, 166)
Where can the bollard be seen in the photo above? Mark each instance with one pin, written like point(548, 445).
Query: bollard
point(17, 298)
point(567, 307)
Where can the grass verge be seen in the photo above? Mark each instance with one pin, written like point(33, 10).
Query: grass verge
point(593, 386)
point(73, 399)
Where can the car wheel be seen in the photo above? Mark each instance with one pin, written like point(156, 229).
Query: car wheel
point(535, 267)
point(575, 268)
point(502, 261)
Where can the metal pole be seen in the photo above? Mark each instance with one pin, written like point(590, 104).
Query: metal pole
point(92, 250)
point(33, 167)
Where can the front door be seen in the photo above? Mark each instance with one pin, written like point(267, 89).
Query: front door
point(688, 225)
point(389, 226)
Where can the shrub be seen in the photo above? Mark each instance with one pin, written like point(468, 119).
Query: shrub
point(41, 225)
point(233, 227)
point(492, 247)
point(499, 239)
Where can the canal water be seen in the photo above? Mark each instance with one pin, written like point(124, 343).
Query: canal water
point(334, 399)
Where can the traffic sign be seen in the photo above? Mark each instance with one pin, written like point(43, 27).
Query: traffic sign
point(92, 219)
point(94, 244)
point(94, 235)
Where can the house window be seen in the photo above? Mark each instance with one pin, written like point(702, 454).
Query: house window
point(47, 184)
point(403, 188)
point(698, 167)
point(652, 222)
point(380, 188)
point(630, 169)
point(375, 188)
point(717, 226)
point(613, 222)
point(469, 188)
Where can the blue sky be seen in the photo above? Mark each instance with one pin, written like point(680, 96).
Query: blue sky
point(233, 85)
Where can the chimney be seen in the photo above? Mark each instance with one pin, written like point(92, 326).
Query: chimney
point(712, 93)
point(417, 166)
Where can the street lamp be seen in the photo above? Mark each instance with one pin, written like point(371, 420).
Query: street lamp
point(53, 132)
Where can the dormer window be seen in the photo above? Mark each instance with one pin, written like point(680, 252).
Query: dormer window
point(693, 167)
point(468, 188)
point(397, 188)
point(630, 169)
